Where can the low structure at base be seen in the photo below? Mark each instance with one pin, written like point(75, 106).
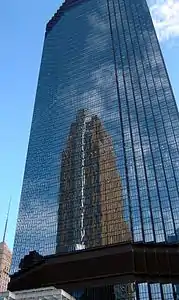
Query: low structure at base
point(49, 293)
point(101, 266)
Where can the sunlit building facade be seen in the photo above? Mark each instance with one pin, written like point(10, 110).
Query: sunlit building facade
point(5, 263)
point(49, 293)
point(101, 63)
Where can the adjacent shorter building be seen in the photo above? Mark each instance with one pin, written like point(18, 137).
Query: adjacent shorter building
point(50, 293)
point(5, 263)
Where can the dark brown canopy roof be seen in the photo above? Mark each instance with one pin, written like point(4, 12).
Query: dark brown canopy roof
point(107, 265)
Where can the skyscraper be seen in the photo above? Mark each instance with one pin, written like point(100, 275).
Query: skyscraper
point(103, 57)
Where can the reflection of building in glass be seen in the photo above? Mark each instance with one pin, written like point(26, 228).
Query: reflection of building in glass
point(90, 201)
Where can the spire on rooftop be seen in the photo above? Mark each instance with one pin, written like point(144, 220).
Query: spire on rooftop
point(7, 218)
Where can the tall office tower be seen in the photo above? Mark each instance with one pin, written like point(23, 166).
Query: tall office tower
point(90, 198)
point(5, 263)
point(103, 56)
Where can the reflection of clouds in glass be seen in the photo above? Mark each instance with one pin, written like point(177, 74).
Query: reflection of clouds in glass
point(36, 229)
point(99, 26)
point(93, 97)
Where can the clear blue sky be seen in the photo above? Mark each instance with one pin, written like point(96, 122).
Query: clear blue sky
point(22, 26)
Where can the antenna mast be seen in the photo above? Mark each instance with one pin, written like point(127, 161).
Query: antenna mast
point(7, 218)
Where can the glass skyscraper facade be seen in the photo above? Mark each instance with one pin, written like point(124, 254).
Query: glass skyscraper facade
point(103, 162)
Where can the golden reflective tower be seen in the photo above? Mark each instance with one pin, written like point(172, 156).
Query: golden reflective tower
point(90, 198)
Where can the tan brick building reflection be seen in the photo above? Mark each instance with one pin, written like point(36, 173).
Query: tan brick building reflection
point(90, 198)
point(5, 263)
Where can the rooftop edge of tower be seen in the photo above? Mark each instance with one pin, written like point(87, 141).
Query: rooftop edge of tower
point(67, 4)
